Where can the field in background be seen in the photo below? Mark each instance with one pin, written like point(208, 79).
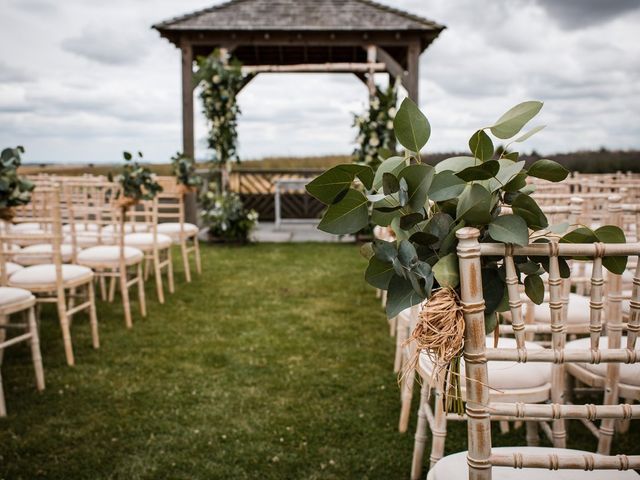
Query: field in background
point(600, 161)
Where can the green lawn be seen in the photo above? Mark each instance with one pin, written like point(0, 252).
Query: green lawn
point(275, 363)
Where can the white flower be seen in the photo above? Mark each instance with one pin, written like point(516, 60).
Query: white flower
point(375, 103)
point(392, 112)
point(360, 138)
point(216, 79)
point(389, 125)
point(368, 158)
point(374, 141)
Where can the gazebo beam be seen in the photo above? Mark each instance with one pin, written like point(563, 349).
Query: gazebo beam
point(344, 67)
point(394, 68)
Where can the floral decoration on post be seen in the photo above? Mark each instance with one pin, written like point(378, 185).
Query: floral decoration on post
point(226, 217)
point(220, 80)
point(137, 182)
point(184, 169)
point(424, 206)
point(375, 136)
point(15, 190)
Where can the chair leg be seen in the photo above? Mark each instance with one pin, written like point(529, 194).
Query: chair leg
point(36, 355)
point(66, 331)
point(421, 434)
point(392, 326)
point(438, 430)
point(196, 247)
point(408, 382)
point(185, 260)
point(172, 287)
point(103, 288)
point(141, 297)
point(158, 275)
point(504, 426)
point(533, 439)
point(147, 268)
point(3, 406)
point(93, 316)
point(124, 291)
point(112, 286)
point(71, 303)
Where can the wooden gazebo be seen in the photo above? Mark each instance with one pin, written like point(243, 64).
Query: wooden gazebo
point(340, 36)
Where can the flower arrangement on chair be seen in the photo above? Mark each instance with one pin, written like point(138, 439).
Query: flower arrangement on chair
point(137, 182)
point(184, 169)
point(425, 206)
point(15, 190)
point(226, 217)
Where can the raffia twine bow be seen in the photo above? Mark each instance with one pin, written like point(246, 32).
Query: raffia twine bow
point(126, 202)
point(7, 214)
point(440, 334)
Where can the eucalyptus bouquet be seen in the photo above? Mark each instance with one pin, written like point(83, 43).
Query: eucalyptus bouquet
point(15, 190)
point(184, 169)
point(375, 128)
point(226, 217)
point(138, 183)
point(425, 206)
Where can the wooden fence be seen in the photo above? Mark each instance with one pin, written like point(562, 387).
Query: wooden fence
point(257, 190)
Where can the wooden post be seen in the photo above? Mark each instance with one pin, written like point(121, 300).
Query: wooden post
point(411, 79)
point(371, 60)
point(188, 141)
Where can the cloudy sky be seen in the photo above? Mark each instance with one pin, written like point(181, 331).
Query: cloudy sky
point(81, 80)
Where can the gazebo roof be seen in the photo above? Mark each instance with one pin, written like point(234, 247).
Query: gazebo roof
point(299, 15)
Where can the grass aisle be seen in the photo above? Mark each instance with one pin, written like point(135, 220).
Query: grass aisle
point(275, 364)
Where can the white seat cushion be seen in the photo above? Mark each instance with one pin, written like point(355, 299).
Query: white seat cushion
point(82, 227)
point(43, 275)
point(26, 226)
point(10, 295)
point(454, 467)
point(129, 227)
point(173, 229)
point(12, 268)
point(42, 253)
point(629, 372)
point(109, 254)
point(578, 312)
point(506, 375)
point(145, 240)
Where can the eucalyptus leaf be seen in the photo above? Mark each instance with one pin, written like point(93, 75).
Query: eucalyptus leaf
point(509, 124)
point(411, 127)
point(612, 234)
point(455, 164)
point(411, 220)
point(347, 216)
point(548, 170)
point(508, 171)
point(384, 251)
point(418, 179)
point(423, 238)
point(530, 133)
point(337, 180)
point(481, 145)
point(509, 229)
point(446, 271)
point(390, 183)
point(484, 171)
point(379, 273)
point(474, 205)
point(445, 186)
point(534, 288)
point(400, 296)
point(391, 165)
point(527, 208)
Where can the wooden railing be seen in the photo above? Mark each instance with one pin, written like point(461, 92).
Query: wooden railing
point(257, 190)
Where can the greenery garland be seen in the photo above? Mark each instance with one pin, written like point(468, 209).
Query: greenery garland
point(184, 169)
point(376, 127)
point(221, 80)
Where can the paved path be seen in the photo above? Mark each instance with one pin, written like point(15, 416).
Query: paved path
point(295, 233)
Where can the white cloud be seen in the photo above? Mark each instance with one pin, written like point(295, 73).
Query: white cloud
point(83, 80)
